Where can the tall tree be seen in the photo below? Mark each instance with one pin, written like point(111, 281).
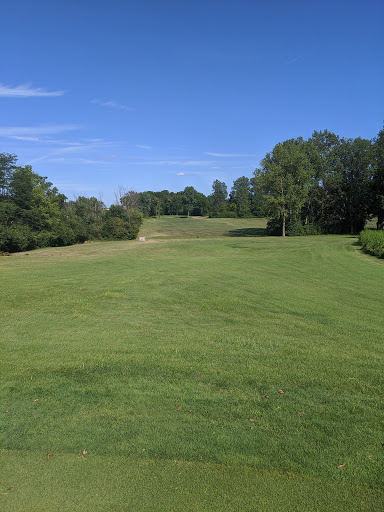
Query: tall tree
point(241, 196)
point(218, 197)
point(189, 200)
point(354, 165)
point(284, 178)
point(7, 166)
point(378, 179)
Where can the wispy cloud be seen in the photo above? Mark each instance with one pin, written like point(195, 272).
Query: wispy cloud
point(294, 60)
point(228, 155)
point(28, 139)
point(35, 131)
point(70, 152)
point(185, 162)
point(181, 174)
point(26, 91)
point(66, 160)
point(111, 104)
point(141, 146)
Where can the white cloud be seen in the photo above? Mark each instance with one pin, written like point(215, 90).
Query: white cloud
point(26, 91)
point(111, 104)
point(141, 146)
point(181, 174)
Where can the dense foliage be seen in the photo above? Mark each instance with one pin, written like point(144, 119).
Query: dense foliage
point(373, 242)
point(326, 184)
point(34, 214)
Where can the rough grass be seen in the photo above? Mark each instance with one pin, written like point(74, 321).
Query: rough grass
point(158, 358)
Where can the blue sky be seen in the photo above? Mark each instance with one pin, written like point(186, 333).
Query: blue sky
point(164, 94)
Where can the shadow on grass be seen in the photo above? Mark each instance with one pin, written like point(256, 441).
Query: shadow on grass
point(248, 232)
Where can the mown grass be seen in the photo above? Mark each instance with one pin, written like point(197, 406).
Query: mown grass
point(158, 358)
point(201, 227)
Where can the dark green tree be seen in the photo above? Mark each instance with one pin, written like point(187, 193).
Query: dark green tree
point(218, 198)
point(189, 198)
point(241, 196)
point(377, 185)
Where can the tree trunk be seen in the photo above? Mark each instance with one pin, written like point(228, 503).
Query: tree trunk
point(283, 233)
point(380, 221)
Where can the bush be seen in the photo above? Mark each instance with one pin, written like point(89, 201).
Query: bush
point(17, 238)
point(116, 228)
point(298, 229)
point(372, 242)
point(275, 227)
point(223, 215)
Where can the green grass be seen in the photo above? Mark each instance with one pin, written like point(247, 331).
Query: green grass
point(156, 358)
point(201, 227)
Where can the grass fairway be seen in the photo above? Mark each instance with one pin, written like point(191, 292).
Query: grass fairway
point(222, 372)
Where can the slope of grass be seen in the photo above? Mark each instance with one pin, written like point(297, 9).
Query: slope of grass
point(167, 361)
point(201, 227)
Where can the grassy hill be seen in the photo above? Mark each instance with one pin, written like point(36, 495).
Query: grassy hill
point(201, 227)
point(200, 370)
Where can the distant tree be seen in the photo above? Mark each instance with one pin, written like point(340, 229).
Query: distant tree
point(157, 206)
point(128, 198)
point(258, 204)
point(176, 205)
point(86, 216)
point(241, 196)
point(121, 224)
point(218, 198)
point(201, 204)
point(189, 198)
point(145, 202)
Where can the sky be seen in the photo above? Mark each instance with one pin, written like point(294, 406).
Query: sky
point(164, 94)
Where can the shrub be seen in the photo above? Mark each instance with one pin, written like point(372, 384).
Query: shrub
point(223, 215)
point(118, 228)
point(372, 242)
point(299, 229)
point(16, 238)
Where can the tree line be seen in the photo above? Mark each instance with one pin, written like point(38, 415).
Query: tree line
point(243, 200)
point(326, 184)
point(33, 213)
